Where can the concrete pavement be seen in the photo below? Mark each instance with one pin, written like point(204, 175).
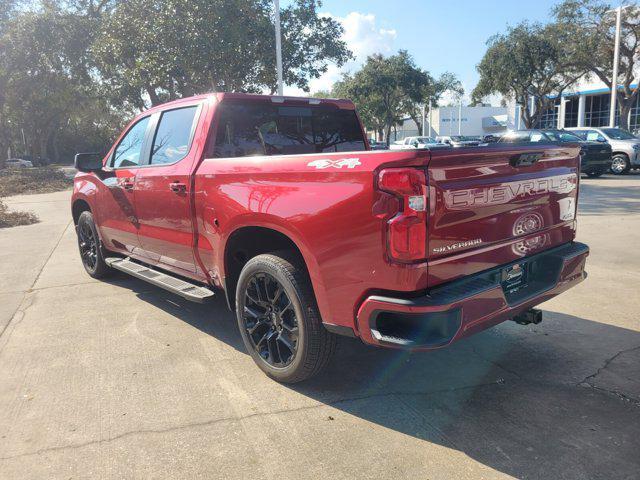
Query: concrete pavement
point(119, 379)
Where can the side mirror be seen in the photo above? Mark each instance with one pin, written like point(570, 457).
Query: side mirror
point(602, 140)
point(88, 162)
point(415, 144)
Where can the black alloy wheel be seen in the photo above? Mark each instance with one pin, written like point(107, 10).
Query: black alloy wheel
point(88, 245)
point(270, 320)
point(91, 252)
point(279, 320)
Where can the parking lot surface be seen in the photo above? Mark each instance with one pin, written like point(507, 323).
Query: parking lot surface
point(119, 379)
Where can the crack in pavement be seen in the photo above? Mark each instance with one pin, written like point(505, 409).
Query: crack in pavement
point(238, 418)
point(24, 296)
point(607, 363)
point(623, 396)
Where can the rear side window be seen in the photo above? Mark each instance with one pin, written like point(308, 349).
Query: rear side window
point(129, 150)
point(267, 129)
point(173, 136)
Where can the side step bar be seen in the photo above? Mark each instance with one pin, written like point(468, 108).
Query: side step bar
point(186, 290)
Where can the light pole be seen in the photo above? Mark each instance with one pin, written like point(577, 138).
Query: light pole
point(278, 47)
point(616, 58)
point(460, 117)
point(614, 79)
point(424, 118)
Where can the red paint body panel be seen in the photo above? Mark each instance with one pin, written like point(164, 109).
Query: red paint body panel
point(337, 217)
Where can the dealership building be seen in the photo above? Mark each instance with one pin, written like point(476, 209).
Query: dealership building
point(586, 105)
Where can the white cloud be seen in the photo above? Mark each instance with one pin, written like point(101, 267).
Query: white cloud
point(363, 37)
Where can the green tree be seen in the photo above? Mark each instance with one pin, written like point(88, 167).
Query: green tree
point(530, 60)
point(590, 28)
point(386, 89)
point(165, 49)
point(432, 93)
point(47, 85)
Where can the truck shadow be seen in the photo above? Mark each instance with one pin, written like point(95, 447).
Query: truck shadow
point(609, 195)
point(557, 400)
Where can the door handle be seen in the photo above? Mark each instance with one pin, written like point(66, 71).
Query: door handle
point(178, 187)
point(127, 184)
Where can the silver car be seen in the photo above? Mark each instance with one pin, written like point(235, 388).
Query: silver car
point(18, 163)
point(625, 147)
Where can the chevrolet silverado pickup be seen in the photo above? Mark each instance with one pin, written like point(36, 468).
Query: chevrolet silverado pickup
point(278, 204)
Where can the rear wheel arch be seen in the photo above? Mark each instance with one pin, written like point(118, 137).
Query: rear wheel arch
point(241, 246)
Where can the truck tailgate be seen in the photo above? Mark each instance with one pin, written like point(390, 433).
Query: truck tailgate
point(492, 206)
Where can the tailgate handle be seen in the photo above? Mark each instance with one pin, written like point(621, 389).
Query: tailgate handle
point(525, 159)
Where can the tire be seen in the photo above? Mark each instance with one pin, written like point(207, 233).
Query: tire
point(620, 164)
point(279, 320)
point(91, 252)
point(595, 174)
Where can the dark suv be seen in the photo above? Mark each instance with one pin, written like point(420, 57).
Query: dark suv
point(595, 157)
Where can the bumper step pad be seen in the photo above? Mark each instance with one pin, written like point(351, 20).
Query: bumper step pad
point(186, 290)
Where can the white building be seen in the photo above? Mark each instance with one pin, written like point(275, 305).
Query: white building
point(475, 121)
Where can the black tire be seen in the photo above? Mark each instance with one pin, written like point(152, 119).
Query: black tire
point(279, 319)
point(91, 252)
point(620, 164)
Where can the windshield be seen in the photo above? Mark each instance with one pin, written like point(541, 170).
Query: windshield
point(558, 136)
point(618, 134)
point(425, 140)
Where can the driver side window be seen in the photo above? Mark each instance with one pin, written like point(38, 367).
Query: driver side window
point(128, 153)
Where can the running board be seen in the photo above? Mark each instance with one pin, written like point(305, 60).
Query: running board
point(186, 290)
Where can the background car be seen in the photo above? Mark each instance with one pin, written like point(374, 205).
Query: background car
point(625, 147)
point(375, 145)
point(18, 163)
point(595, 157)
point(459, 140)
point(490, 138)
point(416, 142)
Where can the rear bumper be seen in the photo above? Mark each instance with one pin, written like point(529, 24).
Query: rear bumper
point(463, 307)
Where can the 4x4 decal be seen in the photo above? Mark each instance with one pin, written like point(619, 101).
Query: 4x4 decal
point(327, 163)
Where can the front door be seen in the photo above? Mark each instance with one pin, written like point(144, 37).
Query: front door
point(163, 192)
point(118, 222)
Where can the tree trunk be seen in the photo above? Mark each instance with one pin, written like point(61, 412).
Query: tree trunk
point(387, 133)
point(380, 134)
point(418, 121)
point(153, 96)
point(625, 108)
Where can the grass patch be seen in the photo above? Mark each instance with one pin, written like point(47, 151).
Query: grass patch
point(32, 180)
point(13, 219)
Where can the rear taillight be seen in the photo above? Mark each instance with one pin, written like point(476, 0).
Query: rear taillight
point(407, 230)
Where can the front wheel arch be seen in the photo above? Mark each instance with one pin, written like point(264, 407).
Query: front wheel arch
point(77, 208)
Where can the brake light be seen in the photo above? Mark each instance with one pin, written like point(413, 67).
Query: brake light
point(407, 230)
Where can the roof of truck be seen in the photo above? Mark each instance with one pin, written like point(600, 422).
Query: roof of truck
point(222, 96)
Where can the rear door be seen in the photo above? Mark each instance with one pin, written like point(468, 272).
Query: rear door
point(163, 191)
point(492, 206)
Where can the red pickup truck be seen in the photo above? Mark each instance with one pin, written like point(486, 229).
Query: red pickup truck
point(278, 203)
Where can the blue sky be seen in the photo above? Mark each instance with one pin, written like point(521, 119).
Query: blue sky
point(441, 35)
